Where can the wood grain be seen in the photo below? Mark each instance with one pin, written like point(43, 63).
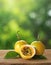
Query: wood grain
point(20, 61)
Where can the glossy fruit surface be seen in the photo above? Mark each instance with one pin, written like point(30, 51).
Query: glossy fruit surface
point(18, 45)
point(39, 47)
point(27, 51)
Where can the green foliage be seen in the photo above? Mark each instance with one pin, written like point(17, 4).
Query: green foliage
point(32, 18)
point(39, 57)
point(11, 54)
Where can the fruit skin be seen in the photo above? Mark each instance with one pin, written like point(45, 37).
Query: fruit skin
point(33, 50)
point(18, 45)
point(39, 47)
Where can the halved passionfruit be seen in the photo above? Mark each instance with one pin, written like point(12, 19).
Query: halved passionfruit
point(27, 51)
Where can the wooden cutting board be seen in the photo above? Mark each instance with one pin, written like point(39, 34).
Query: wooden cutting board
point(20, 61)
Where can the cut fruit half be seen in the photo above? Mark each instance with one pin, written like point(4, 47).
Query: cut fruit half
point(27, 51)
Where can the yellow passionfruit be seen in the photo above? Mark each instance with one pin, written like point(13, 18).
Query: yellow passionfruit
point(27, 51)
point(18, 45)
point(39, 47)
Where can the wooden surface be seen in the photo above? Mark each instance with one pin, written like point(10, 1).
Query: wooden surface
point(20, 61)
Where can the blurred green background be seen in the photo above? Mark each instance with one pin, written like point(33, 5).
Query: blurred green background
point(25, 19)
